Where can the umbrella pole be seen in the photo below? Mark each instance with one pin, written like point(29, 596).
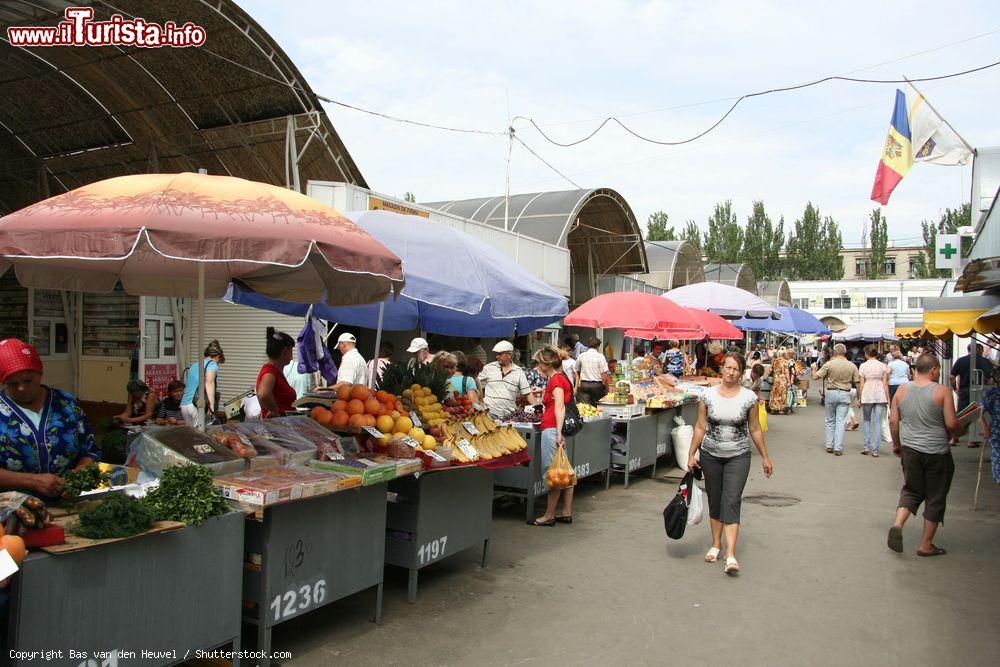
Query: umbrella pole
point(200, 394)
point(378, 344)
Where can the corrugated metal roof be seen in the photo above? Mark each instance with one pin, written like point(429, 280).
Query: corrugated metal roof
point(737, 275)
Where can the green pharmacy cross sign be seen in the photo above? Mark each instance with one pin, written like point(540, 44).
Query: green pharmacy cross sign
point(947, 251)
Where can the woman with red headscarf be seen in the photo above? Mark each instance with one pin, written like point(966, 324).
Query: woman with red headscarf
point(44, 433)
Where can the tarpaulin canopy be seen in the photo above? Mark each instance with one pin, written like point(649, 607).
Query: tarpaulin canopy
point(868, 330)
point(793, 321)
point(991, 319)
point(723, 300)
point(631, 310)
point(456, 284)
point(709, 325)
point(959, 315)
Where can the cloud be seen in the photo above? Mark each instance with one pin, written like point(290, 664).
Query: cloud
point(471, 64)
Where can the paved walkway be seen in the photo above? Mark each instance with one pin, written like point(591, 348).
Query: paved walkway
point(818, 585)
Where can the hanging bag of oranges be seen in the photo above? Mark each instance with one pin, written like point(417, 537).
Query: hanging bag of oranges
point(560, 474)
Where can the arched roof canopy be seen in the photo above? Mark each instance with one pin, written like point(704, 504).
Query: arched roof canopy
point(737, 275)
point(775, 292)
point(673, 264)
point(597, 225)
point(78, 115)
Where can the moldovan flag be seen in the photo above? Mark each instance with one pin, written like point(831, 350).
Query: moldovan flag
point(897, 154)
point(932, 138)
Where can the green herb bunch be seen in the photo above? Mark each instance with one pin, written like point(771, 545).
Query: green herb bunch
point(186, 494)
point(83, 479)
point(118, 515)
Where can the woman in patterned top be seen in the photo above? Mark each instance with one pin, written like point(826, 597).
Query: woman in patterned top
point(728, 420)
point(44, 433)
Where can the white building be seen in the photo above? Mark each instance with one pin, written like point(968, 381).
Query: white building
point(840, 303)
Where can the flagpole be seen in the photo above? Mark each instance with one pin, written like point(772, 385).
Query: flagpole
point(928, 103)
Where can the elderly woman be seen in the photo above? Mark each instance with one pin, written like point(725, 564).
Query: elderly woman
point(558, 392)
point(728, 421)
point(44, 433)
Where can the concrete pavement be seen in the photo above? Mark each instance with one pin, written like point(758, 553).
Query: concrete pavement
point(819, 586)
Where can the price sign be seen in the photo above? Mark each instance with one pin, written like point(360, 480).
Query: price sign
point(434, 455)
point(479, 407)
point(471, 428)
point(203, 449)
point(410, 441)
point(334, 456)
point(467, 449)
point(373, 432)
point(298, 600)
point(415, 419)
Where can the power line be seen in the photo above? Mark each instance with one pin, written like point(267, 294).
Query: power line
point(613, 119)
point(528, 148)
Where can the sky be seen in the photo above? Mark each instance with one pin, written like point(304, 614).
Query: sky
point(669, 70)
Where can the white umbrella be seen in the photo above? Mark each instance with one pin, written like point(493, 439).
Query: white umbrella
point(868, 330)
point(723, 300)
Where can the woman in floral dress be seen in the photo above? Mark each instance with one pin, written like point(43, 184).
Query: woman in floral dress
point(44, 433)
point(780, 377)
point(991, 426)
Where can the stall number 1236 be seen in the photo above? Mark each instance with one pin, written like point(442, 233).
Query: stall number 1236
point(296, 601)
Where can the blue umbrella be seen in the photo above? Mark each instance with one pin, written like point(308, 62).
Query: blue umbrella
point(793, 321)
point(456, 284)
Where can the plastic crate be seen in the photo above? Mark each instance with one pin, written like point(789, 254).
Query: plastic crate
point(624, 411)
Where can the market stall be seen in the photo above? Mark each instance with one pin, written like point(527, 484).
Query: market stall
point(133, 596)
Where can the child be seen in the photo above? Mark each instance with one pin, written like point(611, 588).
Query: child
point(169, 411)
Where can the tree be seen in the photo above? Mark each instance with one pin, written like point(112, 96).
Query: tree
point(879, 241)
point(724, 240)
point(949, 223)
point(813, 249)
point(657, 228)
point(410, 197)
point(692, 233)
point(763, 243)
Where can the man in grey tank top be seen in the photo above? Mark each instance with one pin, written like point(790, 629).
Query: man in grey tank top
point(922, 419)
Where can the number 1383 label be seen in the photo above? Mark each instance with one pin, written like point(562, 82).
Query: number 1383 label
point(298, 600)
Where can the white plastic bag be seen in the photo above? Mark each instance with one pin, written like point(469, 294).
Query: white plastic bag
point(696, 508)
point(681, 437)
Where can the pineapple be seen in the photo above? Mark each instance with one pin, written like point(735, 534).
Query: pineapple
point(396, 378)
point(426, 376)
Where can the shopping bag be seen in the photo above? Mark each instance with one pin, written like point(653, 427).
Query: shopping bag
point(675, 514)
point(696, 508)
point(762, 411)
point(561, 474)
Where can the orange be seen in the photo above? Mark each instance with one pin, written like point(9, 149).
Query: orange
point(340, 418)
point(360, 392)
point(385, 424)
point(316, 412)
point(14, 546)
point(403, 425)
point(370, 420)
point(372, 406)
point(355, 407)
point(339, 405)
point(325, 418)
point(357, 420)
point(344, 392)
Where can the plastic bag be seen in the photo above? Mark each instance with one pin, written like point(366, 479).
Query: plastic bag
point(681, 437)
point(675, 514)
point(762, 411)
point(561, 474)
point(696, 506)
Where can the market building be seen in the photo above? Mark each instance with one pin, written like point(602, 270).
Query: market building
point(840, 303)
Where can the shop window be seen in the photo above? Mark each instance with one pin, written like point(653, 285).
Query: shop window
point(169, 344)
point(801, 304)
point(915, 302)
point(837, 303)
point(110, 324)
point(882, 303)
point(151, 342)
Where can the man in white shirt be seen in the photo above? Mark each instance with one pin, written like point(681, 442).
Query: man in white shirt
point(502, 383)
point(592, 374)
point(353, 368)
point(420, 352)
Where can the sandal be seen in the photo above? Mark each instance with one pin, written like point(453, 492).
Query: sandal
point(935, 551)
point(539, 522)
point(564, 519)
point(712, 555)
point(895, 539)
point(732, 565)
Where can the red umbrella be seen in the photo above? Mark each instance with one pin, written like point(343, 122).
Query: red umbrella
point(150, 231)
point(708, 325)
point(630, 310)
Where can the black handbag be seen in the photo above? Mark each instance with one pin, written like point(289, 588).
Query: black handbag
point(572, 421)
point(675, 514)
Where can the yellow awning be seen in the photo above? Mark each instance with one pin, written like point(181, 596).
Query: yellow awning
point(957, 322)
point(908, 332)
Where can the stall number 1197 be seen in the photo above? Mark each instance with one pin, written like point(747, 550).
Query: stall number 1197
point(432, 550)
point(294, 602)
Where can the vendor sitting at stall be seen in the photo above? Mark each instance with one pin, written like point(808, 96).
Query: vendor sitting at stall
point(169, 409)
point(140, 406)
point(43, 431)
point(273, 391)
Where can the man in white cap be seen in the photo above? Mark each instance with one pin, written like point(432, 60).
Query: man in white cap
point(503, 382)
point(421, 352)
point(353, 368)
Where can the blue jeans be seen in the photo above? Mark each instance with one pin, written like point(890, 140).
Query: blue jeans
point(873, 413)
point(838, 407)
